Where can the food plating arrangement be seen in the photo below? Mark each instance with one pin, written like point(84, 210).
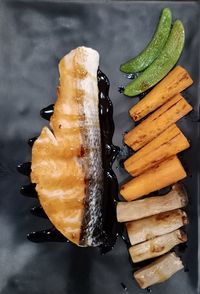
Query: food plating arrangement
point(71, 167)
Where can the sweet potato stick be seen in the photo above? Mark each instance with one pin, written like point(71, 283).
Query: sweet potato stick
point(150, 227)
point(133, 210)
point(157, 246)
point(158, 271)
point(168, 143)
point(164, 174)
point(175, 82)
point(157, 122)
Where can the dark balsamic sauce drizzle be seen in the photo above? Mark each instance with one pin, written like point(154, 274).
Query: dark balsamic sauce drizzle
point(121, 89)
point(111, 228)
point(140, 96)
point(109, 153)
point(124, 286)
point(24, 168)
point(186, 270)
point(125, 238)
point(47, 112)
point(49, 235)
point(29, 190)
point(31, 141)
point(182, 247)
point(38, 211)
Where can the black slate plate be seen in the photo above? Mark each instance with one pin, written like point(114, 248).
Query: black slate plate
point(33, 37)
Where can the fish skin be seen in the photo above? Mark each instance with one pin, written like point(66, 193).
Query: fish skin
point(67, 161)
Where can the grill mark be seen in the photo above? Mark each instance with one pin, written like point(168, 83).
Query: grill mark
point(153, 120)
point(185, 76)
point(167, 109)
point(163, 158)
point(158, 147)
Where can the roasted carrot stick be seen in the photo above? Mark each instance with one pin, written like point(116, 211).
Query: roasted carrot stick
point(157, 122)
point(168, 143)
point(164, 174)
point(175, 82)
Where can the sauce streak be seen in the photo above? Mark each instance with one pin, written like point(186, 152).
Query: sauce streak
point(38, 211)
point(24, 168)
point(124, 287)
point(47, 112)
point(29, 190)
point(49, 235)
point(109, 153)
point(31, 141)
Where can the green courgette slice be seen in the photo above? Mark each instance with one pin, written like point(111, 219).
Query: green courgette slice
point(153, 49)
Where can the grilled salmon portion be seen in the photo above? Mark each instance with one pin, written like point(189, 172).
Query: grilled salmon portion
point(66, 158)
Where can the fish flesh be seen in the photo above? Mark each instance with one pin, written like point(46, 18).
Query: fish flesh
point(67, 157)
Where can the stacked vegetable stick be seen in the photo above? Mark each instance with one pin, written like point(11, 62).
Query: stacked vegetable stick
point(174, 83)
point(153, 224)
point(161, 175)
point(170, 142)
point(134, 210)
point(157, 122)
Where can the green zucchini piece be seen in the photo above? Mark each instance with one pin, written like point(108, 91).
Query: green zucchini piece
point(153, 49)
point(162, 65)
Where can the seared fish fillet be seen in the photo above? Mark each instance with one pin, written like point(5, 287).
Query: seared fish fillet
point(66, 160)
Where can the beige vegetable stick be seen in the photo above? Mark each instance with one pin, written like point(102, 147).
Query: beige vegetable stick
point(133, 210)
point(157, 246)
point(164, 174)
point(157, 122)
point(168, 143)
point(175, 82)
point(158, 271)
point(150, 227)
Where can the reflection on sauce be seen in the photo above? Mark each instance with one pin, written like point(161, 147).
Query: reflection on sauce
point(109, 152)
point(49, 235)
point(24, 168)
point(38, 211)
point(29, 190)
point(121, 89)
point(124, 287)
point(47, 112)
point(31, 141)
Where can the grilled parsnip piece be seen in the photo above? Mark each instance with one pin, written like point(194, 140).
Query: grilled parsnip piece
point(133, 210)
point(150, 227)
point(157, 246)
point(158, 271)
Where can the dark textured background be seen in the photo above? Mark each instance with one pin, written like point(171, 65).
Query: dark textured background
point(33, 37)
